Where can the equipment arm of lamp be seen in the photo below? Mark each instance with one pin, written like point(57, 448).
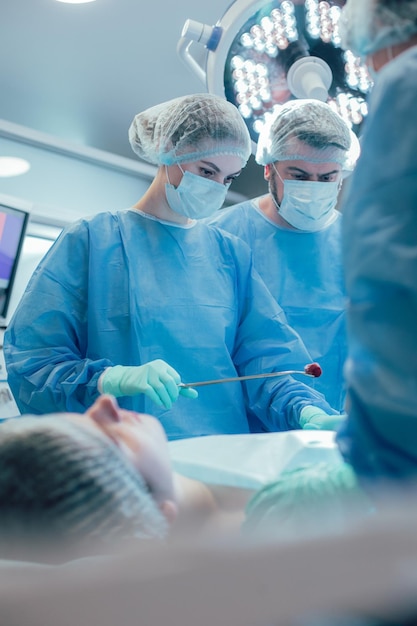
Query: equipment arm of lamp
point(196, 32)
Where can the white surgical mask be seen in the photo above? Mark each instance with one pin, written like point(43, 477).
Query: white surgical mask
point(195, 197)
point(308, 205)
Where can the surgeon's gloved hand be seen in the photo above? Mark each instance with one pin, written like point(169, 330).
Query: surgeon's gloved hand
point(315, 498)
point(156, 379)
point(313, 418)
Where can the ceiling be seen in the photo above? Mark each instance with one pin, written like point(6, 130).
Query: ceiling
point(80, 72)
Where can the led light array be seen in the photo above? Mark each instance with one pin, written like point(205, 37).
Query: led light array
point(264, 49)
point(274, 31)
point(322, 21)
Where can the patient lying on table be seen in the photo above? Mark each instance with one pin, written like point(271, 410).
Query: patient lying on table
point(91, 480)
point(296, 481)
point(84, 482)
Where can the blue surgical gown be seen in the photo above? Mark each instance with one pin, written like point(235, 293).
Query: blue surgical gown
point(304, 273)
point(380, 251)
point(125, 289)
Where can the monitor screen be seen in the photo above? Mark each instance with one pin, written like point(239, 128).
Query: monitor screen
point(13, 223)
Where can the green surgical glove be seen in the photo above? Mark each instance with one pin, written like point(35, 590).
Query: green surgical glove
point(319, 497)
point(156, 379)
point(313, 418)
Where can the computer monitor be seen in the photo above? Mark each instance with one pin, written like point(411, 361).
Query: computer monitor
point(13, 222)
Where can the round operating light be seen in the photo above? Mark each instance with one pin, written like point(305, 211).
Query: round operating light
point(264, 53)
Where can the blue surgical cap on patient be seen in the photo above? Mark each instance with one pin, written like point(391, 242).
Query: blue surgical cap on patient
point(188, 129)
point(307, 130)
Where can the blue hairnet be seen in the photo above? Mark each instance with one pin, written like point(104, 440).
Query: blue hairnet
point(370, 25)
point(190, 128)
point(307, 130)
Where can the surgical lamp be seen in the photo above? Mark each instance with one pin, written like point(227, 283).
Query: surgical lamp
point(262, 54)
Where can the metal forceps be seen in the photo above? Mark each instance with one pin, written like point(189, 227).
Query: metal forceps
point(312, 370)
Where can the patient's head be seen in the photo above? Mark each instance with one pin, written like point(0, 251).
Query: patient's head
point(87, 479)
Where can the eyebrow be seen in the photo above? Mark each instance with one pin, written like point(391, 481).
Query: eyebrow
point(298, 169)
point(217, 169)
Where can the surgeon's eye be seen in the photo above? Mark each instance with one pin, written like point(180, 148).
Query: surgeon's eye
point(327, 178)
point(206, 172)
point(230, 179)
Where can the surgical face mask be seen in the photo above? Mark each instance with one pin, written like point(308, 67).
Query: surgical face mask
point(308, 205)
point(195, 197)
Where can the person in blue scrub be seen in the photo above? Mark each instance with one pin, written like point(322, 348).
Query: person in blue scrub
point(134, 302)
point(378, 440)
point(294, 231)
point(380, 249)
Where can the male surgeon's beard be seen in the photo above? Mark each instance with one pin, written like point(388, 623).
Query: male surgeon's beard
point(273, 190)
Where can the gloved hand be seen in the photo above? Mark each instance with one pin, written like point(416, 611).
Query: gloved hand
point(156, 379)
point(318, 497)
point(313, 418)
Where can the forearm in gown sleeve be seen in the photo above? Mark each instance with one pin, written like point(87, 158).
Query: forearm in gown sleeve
point(265, 343)
point(44, 341)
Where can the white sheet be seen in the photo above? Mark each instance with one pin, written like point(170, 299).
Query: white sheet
point(251, 461)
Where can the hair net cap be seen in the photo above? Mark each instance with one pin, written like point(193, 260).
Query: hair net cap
point(307, 130)
point(370, 25)
point(70, 481)
point(188, 129)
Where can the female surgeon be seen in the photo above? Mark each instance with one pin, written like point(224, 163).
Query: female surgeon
point(129, 303)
